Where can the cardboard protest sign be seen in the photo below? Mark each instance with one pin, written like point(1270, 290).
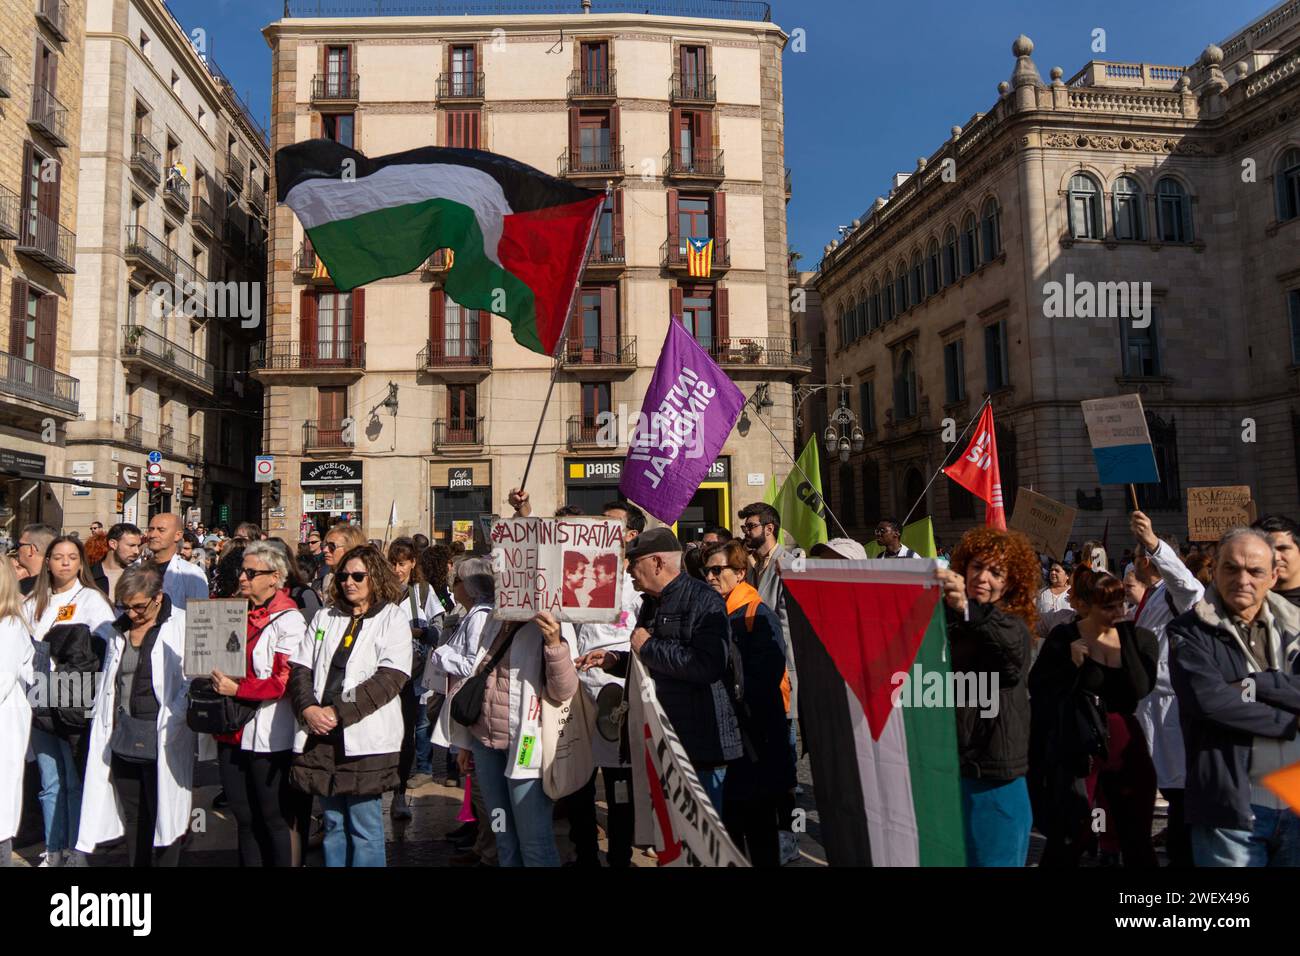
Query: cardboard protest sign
point(1045, 522)
point(1121, 444)
point(570, 567)
point(1213, 511)
point(215, 632)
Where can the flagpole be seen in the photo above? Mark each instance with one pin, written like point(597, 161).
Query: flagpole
point(799, 469)
point(564, 332)
point(944, 464)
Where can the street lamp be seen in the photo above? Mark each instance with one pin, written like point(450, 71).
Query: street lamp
point(843, 436)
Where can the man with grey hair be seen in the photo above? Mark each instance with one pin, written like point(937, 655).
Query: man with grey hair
point(32, 544)
point(1233, 666)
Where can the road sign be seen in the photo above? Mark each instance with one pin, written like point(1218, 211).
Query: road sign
point(155, 457)
point(154, 473)
point(263, 468)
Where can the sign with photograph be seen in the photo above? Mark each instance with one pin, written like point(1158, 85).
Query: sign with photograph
point(462, 530)
point(570, 567)
point(215, 632)
point(1045, 522)
point(1211, 512)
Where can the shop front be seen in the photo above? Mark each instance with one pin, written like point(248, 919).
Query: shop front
point(711, 504)
point(461, 494)
point(129, 482)
point(591, 483)
point(21, 493)
point(331, 491)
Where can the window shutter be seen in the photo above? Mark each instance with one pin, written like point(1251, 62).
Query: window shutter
point(614, 133)
point(722, 308)
point(17, 318)
point(26, 226)
point(52, 74)
point(47, 324)
point(704, 132)
point(484, 331)
point(720, 217)
point(475, 121)
point(674, 220)
point(307, 326)
point(358, 322)
point(608, 319)
point(675, 134)
point(575, 138)
point(50, 193)
point(617, 216)
point(675, 303)
point(437, 319)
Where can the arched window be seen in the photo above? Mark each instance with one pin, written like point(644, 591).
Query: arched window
point(991, 229)
point(1085, 208)
point(949, 257)
point(862, 315)
point(887, 306)
point(918, 279)
point(969, 246)
point(873, 315)
point(901, 302)
point(932, 268)
point(1288, 185)
point(851, 321)
point(843, 327)
point(1174, 210)
point(905, 387)
point(1130, 213)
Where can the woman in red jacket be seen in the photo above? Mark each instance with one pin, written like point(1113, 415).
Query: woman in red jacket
point(254, 761)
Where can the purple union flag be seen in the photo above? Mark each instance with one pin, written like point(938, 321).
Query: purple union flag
point(689, 410)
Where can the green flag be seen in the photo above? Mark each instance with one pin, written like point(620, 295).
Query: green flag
point(799, 503)
point(772, 493)
point(919, 536)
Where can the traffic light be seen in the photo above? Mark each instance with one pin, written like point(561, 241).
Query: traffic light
point(275, 491)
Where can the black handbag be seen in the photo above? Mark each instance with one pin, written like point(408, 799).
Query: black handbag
point(211, 713)
point(134, 739)
point(467, 705)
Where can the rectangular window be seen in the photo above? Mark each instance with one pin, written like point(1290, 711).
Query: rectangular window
point(1293, 300)
point(464, 66)
point(338, 127)
point(694, 220)
point(1141, 356)
point(338, 71)
point(596, 401)
point(605, 230)
point(334, 326)
point(594, 142)
point(460, 330)
point(867, 404)
point(462, 413)
point(698, 317)
point(997, 374)
point(331, 407)
point(463, 129)
point(954, 371)
point(595, 66)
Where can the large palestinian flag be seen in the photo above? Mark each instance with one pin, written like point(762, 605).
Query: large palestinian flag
point(519, 236)
point(886, 777)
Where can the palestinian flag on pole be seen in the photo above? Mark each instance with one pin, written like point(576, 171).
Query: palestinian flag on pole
point(519, 237)
point(884, 767)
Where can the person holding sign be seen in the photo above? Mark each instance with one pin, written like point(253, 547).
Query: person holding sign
point(139, 779)
point(254, 760)
point(344, 685)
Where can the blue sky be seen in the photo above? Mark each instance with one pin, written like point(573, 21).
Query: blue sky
point(880, 83)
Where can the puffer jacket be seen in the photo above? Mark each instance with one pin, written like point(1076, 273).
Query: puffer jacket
point(559, 683)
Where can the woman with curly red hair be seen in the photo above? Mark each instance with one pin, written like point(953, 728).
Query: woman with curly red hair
point(990, 591)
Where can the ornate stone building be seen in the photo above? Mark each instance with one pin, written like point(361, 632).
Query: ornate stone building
point(1183, 180)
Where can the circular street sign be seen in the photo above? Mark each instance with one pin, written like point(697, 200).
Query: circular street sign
point(155, 457)
point(154, 468)
point(264, 467)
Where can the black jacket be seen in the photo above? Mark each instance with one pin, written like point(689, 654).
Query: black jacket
point(992, 642)
point(101, 579)
point(768, 767)
point(1206, 664)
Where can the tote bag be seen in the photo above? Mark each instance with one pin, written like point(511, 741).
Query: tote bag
point(567, 763)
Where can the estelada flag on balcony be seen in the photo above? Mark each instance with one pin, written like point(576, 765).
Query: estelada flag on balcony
point(689, 410)
point(519, 236)
point(699, 258)
point(978, 471)
point(878, 721)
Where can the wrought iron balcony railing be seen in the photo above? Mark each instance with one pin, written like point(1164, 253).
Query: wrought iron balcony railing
point(694, 88)
point(461, 85)
point(586, 432)
point(593, 83)
point(6, 71)
point(145, 249)
point(675, 254)
point(323, 435)
point(49, 115)
point(30, 382)
point(177, 192)
point(692, 161)
point(133, 433)
point(759, 352)
point(457, 432)
point(205, 216)
point(256, 194)
point(8, 214)
point(592, 161)
point(54, 14)
point(43, 239)
point(443, 354)
point(296, 356)
point(603, 350)
point(170, 358)
point(607, 251)
point(145, 158)
point(335, 87)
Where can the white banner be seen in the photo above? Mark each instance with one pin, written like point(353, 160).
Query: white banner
point(672, 810)
point(571, 567)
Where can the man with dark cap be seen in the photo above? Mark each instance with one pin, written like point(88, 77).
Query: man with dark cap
point(682, 638)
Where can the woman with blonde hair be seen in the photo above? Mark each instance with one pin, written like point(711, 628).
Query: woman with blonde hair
point(16, 677)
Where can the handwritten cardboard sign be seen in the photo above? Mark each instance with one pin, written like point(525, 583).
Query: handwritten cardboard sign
point(215, 633)
point(570, 567)
point(1045, 522)
point(1213, 511)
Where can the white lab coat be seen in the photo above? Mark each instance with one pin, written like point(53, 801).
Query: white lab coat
point(450, 664)
point(16, 678)
point(101, 817)
point(274, 724)
point(77, 605)
point(613, 637)
point(384, 641)
point(1157, 713)
point(184, 582)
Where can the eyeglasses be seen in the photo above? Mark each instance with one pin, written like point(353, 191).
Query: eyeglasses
point(26, 544)
point(750, 526)
point(357, 576)
point(141, 608)
point(252, 573)
point(715, 570)
point(331, 546)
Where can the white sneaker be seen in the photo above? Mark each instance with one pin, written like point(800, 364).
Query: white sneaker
point(400, 810)
point(52, 859)
point(789, 847)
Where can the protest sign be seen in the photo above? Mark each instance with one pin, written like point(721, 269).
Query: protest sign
point(672, 809)
point(1045, 522)
point(1121, 444)
point(570, 567)
point(215, 631)
point(463, 531)
point(1213, 511)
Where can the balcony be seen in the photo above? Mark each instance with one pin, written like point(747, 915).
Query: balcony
point(326, 436)
point(166, 440)
point(335, 89)
point(146, 251)
point(8, 214)
point(194, 450)
point(44, 240)
point(436, 267)
point(133, 432)
point(599, 356)
point(146, 161)
point(457, 361)
point(205, 218)
point(54, 14)
point(460, 86)
point(457, 436)
point(607, 258)
point(585, 433)
point(307, 268)
point(147, 350)
point(48, 116)
point(694, 163)
point(236, 167)
point(256, 194)
point(39, 390)
point(593, 85)
point(176, 193)
point(674, 257)
point(325, 363)
point(6, 69)
point(694, 88)
point(603, 161)
point(742, 352)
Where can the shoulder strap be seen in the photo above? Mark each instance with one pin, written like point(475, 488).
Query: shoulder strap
point(1169, 599)
point(500, 652)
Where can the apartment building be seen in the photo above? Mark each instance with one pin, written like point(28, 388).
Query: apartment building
point(172, 258)
point(393, 395)
point(40, 116)
point(1183, 177)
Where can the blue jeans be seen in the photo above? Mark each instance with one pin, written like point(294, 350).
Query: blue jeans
point(1274, 841)
point(60, 790)
point(997, 820)
point(712, 781)
point(354, 831)
point(423, 745)
point(528, 835)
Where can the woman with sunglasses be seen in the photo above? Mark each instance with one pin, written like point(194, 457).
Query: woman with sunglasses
point(757, 783)
point(339, 540)
point(254, 760)
point(344, 684)
point(72, 624)
point(1086, 745)
point(139, 778)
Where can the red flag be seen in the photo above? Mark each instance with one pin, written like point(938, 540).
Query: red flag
point(978, 472)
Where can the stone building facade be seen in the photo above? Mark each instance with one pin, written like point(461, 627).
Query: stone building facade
point(973, 280)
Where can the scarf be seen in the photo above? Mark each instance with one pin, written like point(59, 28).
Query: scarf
point(746, 596)
point(260, 615)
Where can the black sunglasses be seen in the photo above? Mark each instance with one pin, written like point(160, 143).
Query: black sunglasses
point(714, 570)
point(357, 576)
point(331, 546)
point(251, 573)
